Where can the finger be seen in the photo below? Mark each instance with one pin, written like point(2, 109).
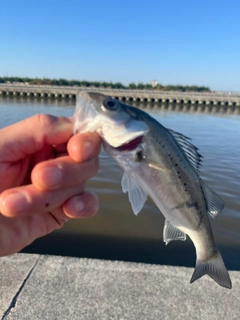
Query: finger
point(27, 200)
point(60, 148)
point(53, 220)
point(85, 205)
point(62, 172)
point(17, 233)
point(32, 134)
point(84, 146)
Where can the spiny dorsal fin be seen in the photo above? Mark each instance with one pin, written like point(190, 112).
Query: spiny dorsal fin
point(191, 152)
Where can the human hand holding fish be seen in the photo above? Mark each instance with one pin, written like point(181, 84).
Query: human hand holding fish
point(162, 164)
point(43, 169)
point(156, 161)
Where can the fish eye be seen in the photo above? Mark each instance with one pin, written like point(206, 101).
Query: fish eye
point(110, 104)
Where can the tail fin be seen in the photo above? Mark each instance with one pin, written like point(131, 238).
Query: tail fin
point(215, 268)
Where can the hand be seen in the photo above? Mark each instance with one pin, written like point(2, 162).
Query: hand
point(43, 169)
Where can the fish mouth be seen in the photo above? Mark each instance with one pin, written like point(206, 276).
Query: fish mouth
point(125, 147)
point(131, 145)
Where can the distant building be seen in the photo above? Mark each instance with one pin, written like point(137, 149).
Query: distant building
point(154, 83)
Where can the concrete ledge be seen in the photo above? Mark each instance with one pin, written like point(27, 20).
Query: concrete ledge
point(14, 270)
point(52, 287)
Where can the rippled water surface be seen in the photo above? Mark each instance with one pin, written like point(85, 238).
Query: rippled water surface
point(115, 233)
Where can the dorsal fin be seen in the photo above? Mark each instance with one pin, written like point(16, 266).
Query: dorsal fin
point(215, 204)
point(191, 152)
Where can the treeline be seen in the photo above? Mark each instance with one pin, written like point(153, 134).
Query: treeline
point(104, 84)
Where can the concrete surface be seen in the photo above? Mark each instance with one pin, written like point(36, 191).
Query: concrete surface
point(52, 287)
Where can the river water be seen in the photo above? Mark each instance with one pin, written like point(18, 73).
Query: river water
point(116, 233)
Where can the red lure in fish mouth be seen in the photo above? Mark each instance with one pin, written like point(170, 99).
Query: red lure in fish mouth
point(130, 145)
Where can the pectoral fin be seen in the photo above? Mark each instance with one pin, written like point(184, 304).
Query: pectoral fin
point(171, 233)
point(136, 195)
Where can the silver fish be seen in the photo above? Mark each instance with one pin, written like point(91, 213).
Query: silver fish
point(163, 164)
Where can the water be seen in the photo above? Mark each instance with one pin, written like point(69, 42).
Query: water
point(115, 233)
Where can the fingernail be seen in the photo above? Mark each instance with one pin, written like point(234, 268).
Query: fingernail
point(51, 176)
point(15, 202)
point(78, 205)
point(87, 149)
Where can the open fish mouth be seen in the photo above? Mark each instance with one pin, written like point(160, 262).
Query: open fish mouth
point(131, 145)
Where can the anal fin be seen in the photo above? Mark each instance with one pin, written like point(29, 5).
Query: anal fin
point(171, 233)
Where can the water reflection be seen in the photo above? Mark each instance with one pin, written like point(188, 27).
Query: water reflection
point(191, 108)
point(116, 233)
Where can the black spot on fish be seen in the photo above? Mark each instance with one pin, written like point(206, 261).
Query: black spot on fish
point(46, 205)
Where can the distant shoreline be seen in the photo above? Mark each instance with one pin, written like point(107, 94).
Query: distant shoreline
point(154, 85)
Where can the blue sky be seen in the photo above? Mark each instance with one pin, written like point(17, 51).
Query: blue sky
point(175, 42)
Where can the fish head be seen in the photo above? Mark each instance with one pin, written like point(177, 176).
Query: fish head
point(118, 124)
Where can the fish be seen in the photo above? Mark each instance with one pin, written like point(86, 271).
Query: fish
point(162, 164)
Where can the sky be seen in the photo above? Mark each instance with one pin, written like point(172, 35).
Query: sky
point(183, 42)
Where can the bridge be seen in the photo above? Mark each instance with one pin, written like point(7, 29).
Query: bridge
point(216, 99)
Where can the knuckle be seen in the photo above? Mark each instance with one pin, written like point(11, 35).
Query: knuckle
point(45, 120)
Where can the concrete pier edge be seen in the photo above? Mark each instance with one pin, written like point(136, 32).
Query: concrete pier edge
point(36, 286)
point(221, 101)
